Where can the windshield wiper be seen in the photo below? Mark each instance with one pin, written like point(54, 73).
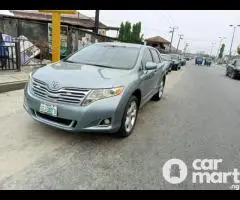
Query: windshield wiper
point(69, 61)
point(98, 65)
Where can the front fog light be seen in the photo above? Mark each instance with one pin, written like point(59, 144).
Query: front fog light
point(105, 122)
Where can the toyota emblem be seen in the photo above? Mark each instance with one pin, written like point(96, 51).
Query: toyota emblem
point(54, 85)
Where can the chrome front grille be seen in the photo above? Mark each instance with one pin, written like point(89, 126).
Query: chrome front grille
point(64, 95)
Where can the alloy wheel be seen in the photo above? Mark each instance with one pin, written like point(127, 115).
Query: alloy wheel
point(131, 116)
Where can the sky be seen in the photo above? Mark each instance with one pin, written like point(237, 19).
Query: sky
point(201, 28)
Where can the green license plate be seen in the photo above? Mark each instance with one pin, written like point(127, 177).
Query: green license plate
point(48, 109)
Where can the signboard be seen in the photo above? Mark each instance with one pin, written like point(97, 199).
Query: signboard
point(63, 37)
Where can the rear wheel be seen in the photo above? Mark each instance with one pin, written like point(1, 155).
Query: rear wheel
point(226, 73)
point(233, 74)
point(159, 94)
point(129, 118)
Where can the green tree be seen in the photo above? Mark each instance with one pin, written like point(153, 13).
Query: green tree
point(221, 51)
point(121, 32)
point(127, 32)
point(238, 49)
point(130, 33)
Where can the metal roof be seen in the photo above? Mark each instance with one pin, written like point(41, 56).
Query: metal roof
point(77, 19)
point(157, 39)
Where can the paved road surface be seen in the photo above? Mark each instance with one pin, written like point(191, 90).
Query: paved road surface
point(197, 118)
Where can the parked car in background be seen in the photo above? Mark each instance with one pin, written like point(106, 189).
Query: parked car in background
point(176, 61)
point(182, 61)
point(100, 88)
point(233, 69)
point(168, 62)
point(198, 60)
point(208, 62)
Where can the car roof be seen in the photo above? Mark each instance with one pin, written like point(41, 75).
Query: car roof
point(122, 44)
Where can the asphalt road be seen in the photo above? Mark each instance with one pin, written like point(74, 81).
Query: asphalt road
point(197, 118)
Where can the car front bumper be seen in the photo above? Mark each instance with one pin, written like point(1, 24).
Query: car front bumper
point(77, 118)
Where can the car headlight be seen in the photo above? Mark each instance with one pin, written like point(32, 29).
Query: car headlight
point(98, 94)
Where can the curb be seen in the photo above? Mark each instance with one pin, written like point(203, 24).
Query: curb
point(11, 86)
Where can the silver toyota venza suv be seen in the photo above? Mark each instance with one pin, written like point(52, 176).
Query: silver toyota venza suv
point(100, 88)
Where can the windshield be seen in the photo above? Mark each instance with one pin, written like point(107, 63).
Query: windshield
point(175, 56)
point(166, 57)
point(111, 56)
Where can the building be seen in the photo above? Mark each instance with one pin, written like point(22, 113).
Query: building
point(76, 29)
point(161, 44)
point(158, 42)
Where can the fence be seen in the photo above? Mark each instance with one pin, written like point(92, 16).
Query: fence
point(10, 56)
point(18, 52)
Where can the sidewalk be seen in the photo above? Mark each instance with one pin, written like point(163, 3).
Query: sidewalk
point(13, 80)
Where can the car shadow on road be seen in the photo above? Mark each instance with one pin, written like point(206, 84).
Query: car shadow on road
point(49, 131)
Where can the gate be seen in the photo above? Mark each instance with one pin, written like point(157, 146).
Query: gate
point(10, 56)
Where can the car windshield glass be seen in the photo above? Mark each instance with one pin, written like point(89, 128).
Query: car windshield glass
point(175, 56)
point(166, 57)
point(111, 56)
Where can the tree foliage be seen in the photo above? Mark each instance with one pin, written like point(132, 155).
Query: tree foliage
point(130, 33)
point(221, 51)
point(121, 32)
point(238, 49)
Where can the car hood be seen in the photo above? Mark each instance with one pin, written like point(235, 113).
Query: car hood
point(81, 76)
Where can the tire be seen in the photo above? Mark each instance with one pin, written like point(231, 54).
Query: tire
point(126, 130)
point(232, 74)
point(159, 94)
point(226, 73)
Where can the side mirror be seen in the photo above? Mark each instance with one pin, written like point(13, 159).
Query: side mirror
point(151, 66)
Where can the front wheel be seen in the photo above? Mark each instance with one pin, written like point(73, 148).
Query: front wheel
point(129, 118)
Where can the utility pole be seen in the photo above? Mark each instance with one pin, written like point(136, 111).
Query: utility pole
point(212, 48)
point(56, 23)
point(185, 48)
point(221, 39)
point(96, 27)
point(180, 37)
point(172, 31)
point(230, 51)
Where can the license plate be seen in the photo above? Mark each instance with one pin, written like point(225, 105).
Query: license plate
point(48, 109)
